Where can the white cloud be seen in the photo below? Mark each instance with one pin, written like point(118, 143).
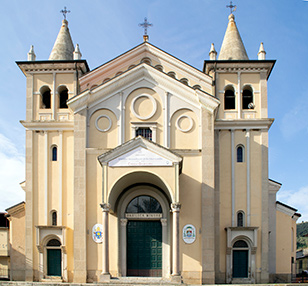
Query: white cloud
point(11, 174)
point(297, 199)
point(295, 120)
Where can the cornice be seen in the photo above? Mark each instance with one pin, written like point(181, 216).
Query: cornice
point(48, 125)
point(146, 47)
point(221, 124)
point(250, 66)
point(136, 74)
point(28, 67)
point(285, 209)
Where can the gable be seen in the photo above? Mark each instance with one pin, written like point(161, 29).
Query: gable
point(151, 55)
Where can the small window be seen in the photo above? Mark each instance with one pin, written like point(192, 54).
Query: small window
point(229, 98)
point(146, 61)
point(144, 204)
point(63, 97)
point(54, 155)
point(240, 154)
point(247, 99)
point(131, 66)
point(159, 67)
point(46, 102)
point(54, 242)
point(54, 218)
point(184, 80)
point(240, 244)
point(240, 219)
point(197, 86)
point(118, 73)
point(106, 79)
point(171, 74)
point(145, 132)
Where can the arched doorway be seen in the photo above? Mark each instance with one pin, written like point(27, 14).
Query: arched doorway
point(144, 237)
point(144, 240)
point(54, 258)
point(240, 259)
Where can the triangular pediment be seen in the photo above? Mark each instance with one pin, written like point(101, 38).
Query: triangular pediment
point(140, 152)
point(90, 98)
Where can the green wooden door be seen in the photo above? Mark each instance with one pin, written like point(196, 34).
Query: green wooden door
point(240, 263)
point(144, 248)
point(54, 262)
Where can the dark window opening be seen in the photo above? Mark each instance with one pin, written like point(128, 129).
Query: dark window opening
point(54, 153)
point(240, 154)
point(54, 242)
point(240, 219)
point(145, 132)
point(247, 98)
point(63, 96)
point(54, 218)
point(240, 244)
point(46, 99)
point(144, 204)
point(229, 99)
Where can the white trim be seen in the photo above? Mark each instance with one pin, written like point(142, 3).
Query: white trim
point(232, 178)
point(248, 174)
point(239, 100)
point(190, 125)
point(60, 221)
point(96, 123)
point(151, 113)
point(46, 176)
point(53, 99)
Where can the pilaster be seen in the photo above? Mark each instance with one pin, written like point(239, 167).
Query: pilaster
point(208, 199)
point(80, 252)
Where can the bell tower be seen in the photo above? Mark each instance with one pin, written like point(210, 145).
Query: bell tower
point(49, 154)
point(241, 156)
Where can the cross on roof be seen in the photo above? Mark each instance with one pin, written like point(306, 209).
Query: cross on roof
point(64, 12)
point(231, 6)
point(145, 25)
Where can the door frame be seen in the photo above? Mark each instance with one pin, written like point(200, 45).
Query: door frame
point(164, 219)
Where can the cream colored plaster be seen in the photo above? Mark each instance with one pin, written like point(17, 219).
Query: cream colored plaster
point(106, 120)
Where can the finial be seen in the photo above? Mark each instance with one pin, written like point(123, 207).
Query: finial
point(145, 25)
point(232, 7)
point(261, 53)
point(64, 12)
point(31, 54)
point(77, 53)
point(213, 53)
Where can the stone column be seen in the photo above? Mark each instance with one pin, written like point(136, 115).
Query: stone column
point(105, 276)
point(175, 207)
point(123, 247)
point(41, 263)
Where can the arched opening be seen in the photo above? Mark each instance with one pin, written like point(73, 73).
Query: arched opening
point(171, 74)
point(53, 218)
point(159, 67)
point(240, 259)
point(240, 219)
point(54, 258)
point(45, 97)
point(184, 80)
point(63, 96)
point(144, 214)
point(146, 61)
point(229, 97)
point(240, 154)
point(54, 153)
point(144, 237)
point(247, 98)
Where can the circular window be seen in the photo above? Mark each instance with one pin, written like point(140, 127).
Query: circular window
point(143, 106)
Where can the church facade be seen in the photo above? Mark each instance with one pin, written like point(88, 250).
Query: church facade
point(149, 167)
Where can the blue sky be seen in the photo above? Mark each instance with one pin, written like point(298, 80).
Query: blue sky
point(104, 29)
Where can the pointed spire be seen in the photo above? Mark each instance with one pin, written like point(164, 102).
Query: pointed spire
point(261, 53)
point(31, 54)
point(77, 53)
point(213, 53)
point(232, 47)
point(63, 48)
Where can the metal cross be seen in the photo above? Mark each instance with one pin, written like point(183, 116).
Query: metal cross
point(145, 25)
point(64, 12)
point(231, 6)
